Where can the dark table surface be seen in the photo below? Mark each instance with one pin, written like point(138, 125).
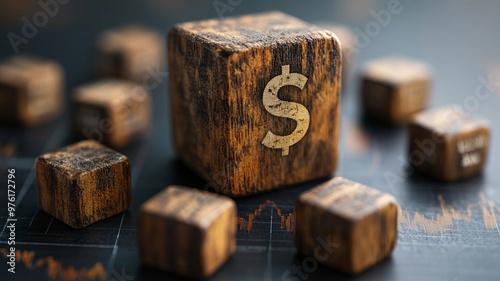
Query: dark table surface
point(448, 231)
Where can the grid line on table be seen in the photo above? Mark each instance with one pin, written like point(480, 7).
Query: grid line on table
point(61, 244)
point(269, 269)
point(57, 135)
point(136, 171)
point(33, 218)
point(48, 227)
point(26, 185)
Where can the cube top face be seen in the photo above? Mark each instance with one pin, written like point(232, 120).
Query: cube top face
point(24, 67)
point(109, 92)
point(129, 38)
point(82, 157)
point(251, 31)
point(396, 70)
point(188, 205)
point(450, 120)
point(255, 101)
point(347, 199)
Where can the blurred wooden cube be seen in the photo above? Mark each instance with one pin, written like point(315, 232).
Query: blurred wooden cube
point(448, 143)
point(31, 90)
point(114, 112)
point(255, 101)
point(83, 183)
point(349, 50)
point(395, 88)
point(346, 225)
point(187, 231)
point(132, 53)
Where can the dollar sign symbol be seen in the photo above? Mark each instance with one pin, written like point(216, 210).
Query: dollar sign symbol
point(280, 108)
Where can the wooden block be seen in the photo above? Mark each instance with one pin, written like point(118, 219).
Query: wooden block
point(132, 52)
point(187, 231)
point(448, 143)
point(31, 90)
point(395, 88)
point(83, 183)
point(255, 101)
point(114, 112)
point(346, 225)
point(349, 55)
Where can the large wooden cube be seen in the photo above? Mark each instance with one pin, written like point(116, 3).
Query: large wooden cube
point(395, 88)
point(346, 225)
point(113, 112)
point(31, 90)
point(187, 231)
point(83, 183)
point(448, 143)
point(255, 100)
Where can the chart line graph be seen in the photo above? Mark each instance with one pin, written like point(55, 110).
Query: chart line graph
point(442, 222)
point(407, 220)
point(55, 269)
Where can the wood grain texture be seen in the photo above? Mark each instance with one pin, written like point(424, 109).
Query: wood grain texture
point(349, 49)
point(395, 88)
point(113, 112)
point(83, 183)
point(346, 225)
point(448, 143)
point(31, 90)
point(219, 71)
point(131, 52)
point(187, 231)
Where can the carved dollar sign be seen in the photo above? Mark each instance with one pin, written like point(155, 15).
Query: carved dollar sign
point(281, 108)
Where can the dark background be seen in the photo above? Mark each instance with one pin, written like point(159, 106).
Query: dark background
point(448, 231)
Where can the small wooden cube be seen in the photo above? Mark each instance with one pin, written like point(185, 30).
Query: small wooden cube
point(346, 225)
point(349, 50)
point(187, 231)
point(255, 101)
point(83, 183)
point(114, 112)
point(448, 143)
point(31, 90)
point(395, 88)
point(132, 53)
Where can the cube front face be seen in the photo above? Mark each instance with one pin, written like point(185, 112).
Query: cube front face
point(9, 103)
point(258, 114)
point(186, 231)
point(111, 111)
point(377, 99)
point(31, 90)
point(83, 183)
point(449, 144)
point(323, 235)
point(346, 225)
